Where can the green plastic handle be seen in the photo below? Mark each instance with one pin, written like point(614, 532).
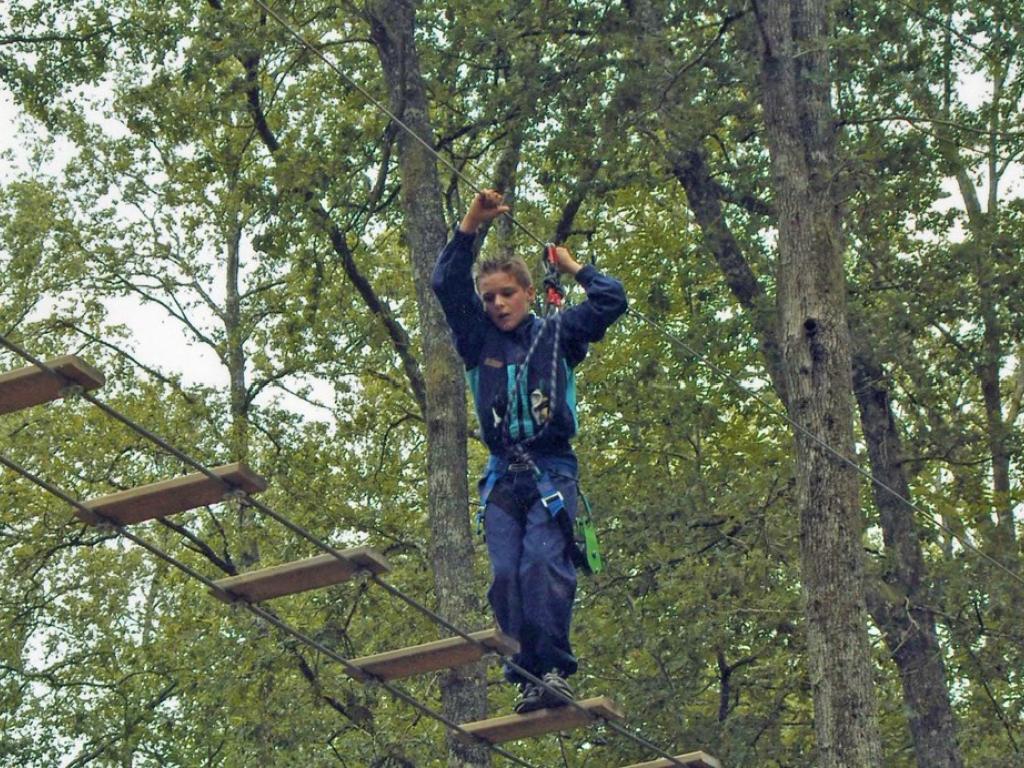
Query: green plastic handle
point(588, 534)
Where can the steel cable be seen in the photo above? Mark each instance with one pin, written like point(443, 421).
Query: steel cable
point(258, 610)
point(825, 446)
point(327, 548)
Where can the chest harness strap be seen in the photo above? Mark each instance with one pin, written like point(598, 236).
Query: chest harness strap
point(583, 541)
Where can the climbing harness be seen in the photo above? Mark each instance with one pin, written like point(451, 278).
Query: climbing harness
point(581, 537)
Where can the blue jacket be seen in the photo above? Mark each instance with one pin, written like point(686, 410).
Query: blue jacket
point(493, 357)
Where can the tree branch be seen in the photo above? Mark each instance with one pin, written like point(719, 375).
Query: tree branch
point(201, 547)
point(191, 400)
point(703, 195)
point(54, 37)
point(399, 337)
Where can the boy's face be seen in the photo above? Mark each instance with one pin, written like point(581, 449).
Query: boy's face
point(506, 302)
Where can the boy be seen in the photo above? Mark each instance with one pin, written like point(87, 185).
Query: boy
point(527, 413)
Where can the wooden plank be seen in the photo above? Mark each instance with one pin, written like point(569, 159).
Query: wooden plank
point(429, 657)
point(28, 386)
point(169, 497)
point(695, 759)
point(509, 727)
point(301, 575)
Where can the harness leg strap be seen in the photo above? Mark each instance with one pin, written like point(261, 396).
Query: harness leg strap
point(550, 496)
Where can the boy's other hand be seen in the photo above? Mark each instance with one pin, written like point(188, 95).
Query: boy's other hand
point(486, 206)
point(565, 263)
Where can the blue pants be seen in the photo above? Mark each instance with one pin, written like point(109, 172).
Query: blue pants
point(534, 581)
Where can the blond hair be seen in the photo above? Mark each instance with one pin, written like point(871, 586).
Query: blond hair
point(512, 265)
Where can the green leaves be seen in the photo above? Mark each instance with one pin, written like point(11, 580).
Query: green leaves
point(172, 200)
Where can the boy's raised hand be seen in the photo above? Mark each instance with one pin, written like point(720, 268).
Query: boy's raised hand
point(486, 206)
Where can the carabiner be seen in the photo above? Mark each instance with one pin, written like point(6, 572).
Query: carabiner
point(553, 290)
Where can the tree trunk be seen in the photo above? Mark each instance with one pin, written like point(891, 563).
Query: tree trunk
point(901, 611)
point(806, 347)
point(463, 692)
point(983, 224)
point(505, 181)
point(815, 343)
point(908, 627)
point(233, 357)
point(989, 364)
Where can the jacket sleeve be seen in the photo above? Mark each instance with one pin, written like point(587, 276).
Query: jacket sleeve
point(453, 285)
point(587, 322)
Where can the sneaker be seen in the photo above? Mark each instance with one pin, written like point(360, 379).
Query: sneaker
point(531, 697)
point(556, 682)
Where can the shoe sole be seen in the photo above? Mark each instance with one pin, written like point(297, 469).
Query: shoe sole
point(546, 700)
point(531, 707)
point(550, 702)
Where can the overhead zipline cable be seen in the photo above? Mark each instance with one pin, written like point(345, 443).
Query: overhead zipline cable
point(722, 372)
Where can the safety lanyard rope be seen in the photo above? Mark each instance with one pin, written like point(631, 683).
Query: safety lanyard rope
point(553, 296)
point(518, 447)
point(815, 438)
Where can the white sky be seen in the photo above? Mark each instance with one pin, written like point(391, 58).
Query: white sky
point(150, 322)
point(159, 341)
